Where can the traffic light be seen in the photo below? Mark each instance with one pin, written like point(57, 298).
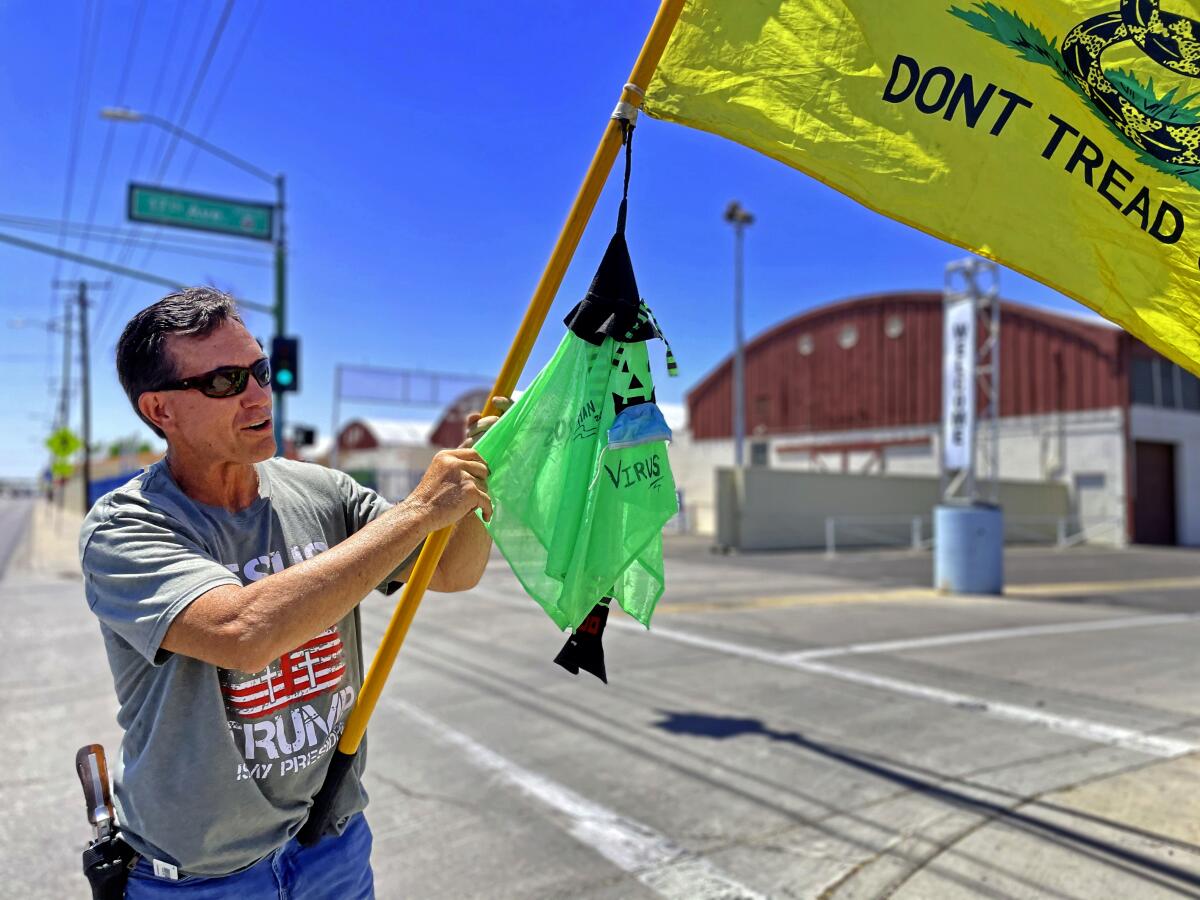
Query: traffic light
point(285, 364)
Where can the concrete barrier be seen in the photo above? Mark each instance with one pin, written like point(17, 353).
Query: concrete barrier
point(778, 509)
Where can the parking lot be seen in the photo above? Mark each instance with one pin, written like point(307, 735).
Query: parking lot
point(792, 726)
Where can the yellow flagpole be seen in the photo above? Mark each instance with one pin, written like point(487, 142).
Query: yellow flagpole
point(506, 382)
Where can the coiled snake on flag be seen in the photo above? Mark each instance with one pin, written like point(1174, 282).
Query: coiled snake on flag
point(1171, 40)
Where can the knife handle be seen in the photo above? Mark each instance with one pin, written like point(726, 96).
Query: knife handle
point(92, 769)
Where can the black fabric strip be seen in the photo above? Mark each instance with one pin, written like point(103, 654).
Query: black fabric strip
point(627, 139)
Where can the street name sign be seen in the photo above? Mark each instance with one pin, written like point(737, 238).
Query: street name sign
point(200, 212)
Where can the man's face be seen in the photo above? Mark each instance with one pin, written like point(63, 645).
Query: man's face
point(234, 429)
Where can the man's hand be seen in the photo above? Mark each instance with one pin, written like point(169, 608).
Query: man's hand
point(455, 484)
point(477, 424)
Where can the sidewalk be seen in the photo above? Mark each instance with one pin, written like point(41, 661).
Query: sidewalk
point(1142, 823)
point(51, 545)
point(58, 696)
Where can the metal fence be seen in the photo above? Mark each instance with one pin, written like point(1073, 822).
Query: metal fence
point(915, 533)
point(392, 483)
point(878, 531)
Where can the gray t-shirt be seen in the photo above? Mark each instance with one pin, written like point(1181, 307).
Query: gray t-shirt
point(218, 767)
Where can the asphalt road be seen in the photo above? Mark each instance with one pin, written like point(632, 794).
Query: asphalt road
point(791, 727)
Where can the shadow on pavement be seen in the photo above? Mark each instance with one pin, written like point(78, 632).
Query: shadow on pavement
point(607, 730)
point(1140, 865)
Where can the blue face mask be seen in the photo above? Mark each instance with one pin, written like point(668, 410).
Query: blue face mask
point(637, 425)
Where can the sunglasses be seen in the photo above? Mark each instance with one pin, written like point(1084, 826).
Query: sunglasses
point(226, 381)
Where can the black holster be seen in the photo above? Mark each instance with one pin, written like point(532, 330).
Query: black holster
point(106, 865)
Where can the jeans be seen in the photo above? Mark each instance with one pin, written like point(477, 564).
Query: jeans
point(335, 868)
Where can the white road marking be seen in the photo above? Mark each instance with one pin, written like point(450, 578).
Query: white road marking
point(1087, 729)
point(1098, 732)
point(652, 858)
point(1084, 728)
point(994, 634)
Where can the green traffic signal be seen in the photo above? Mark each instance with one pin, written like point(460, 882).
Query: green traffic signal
point(285, 364)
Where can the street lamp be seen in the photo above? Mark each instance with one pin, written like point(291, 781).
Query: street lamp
point(124, 114)
point(739, 218)
point(121, 114)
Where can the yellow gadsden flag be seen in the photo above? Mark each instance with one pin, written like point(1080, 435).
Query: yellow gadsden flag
point(1058, 137)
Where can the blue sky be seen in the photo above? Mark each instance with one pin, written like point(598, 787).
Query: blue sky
point(432, 152)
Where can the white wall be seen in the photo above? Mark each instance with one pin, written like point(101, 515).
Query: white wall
point(694, 465)
point(1085, 451)
point(914, 460)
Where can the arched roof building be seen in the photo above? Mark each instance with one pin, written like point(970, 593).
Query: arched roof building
point(876, 361)
point(856, 386)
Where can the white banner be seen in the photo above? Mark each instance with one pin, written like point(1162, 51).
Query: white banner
point(958, 385)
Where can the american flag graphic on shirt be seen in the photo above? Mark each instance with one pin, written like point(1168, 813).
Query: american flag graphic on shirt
point(312, 669)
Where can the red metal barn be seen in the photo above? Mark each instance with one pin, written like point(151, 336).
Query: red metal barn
point(855, 386)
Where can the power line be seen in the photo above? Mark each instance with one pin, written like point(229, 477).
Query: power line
point(123, 255)
point(83, 76)
point(184, 250)
point(159, 81)
point(112, 235)
point(83, 80)
point(175, 104)
point(161, 280)
point(109, 135)
point(225, 83)
point(204, 241)
point(197, 83)
point(181, 119)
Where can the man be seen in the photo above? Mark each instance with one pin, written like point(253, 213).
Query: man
point(227, 582)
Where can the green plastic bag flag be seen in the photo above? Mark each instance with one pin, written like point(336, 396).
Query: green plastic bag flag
point(580, 482)
point(579, 478)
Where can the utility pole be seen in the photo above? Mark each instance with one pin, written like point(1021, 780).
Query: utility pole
point(86, 396)
point(81, 297)
point(62, 416)
point(64, 394)
point(277, 416)
point(739, 218)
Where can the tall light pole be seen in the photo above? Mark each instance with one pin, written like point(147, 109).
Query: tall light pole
point(739, 218)
point(279, 309)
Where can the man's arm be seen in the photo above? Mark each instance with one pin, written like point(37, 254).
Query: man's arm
point(465, 558)
point(466, 555)
point(244, 628)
